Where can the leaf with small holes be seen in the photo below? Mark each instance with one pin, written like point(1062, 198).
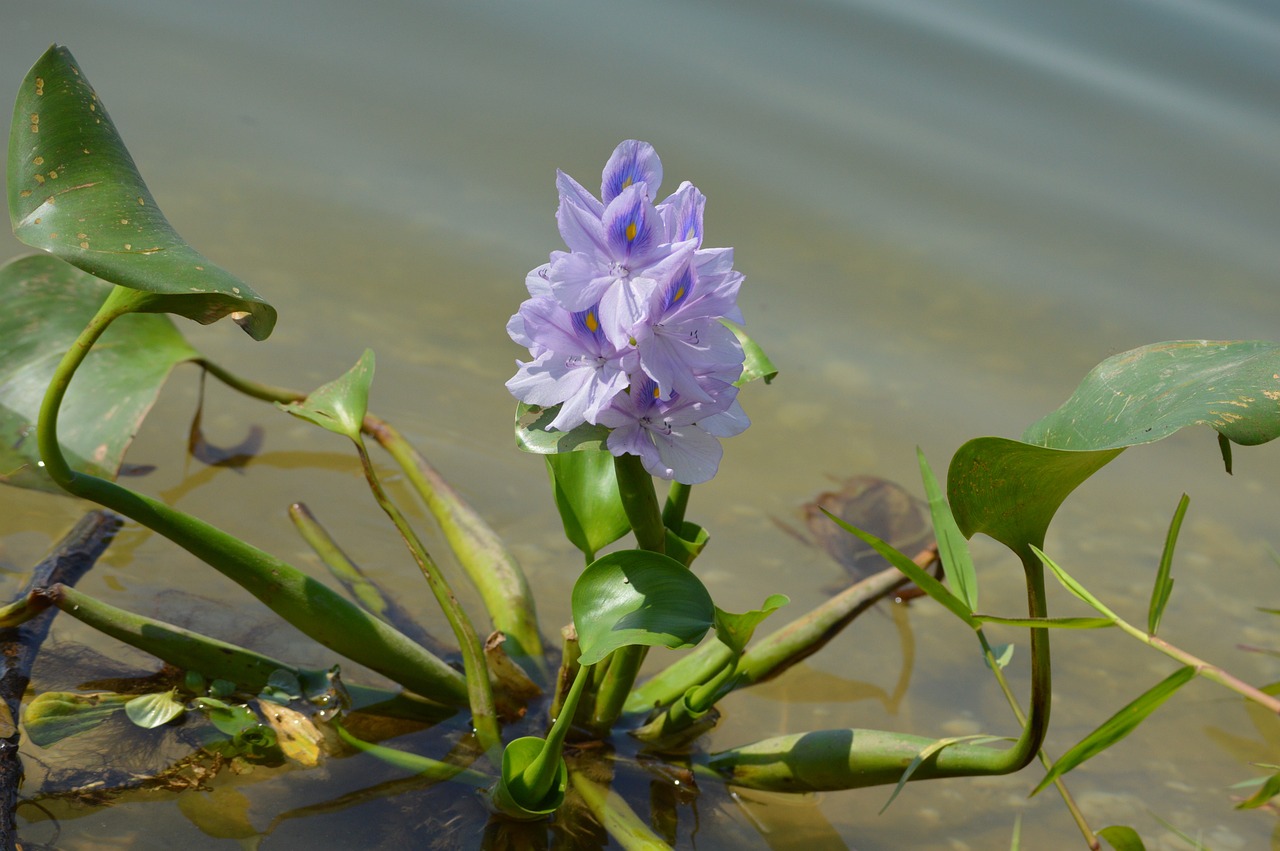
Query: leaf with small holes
point(75, 192)
point(46, 304)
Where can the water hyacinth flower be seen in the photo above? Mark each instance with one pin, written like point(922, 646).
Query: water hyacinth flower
point(624, 329)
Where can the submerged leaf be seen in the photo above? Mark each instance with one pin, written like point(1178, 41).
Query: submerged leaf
point(153, 710)
point(75, 192)
point(47, 303)
point(55, 715)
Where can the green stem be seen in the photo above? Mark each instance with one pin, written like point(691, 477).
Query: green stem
point(482, 554)
point(1082, 824)
point(484, 717)
point(542, 772)
point(640, 501)
point(309, 605)
point(677, 504)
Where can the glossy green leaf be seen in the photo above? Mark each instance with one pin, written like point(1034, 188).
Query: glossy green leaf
point(340, 405)
point(1122, 838)
point(756, 363)
point(55, 715)
point(689, 544)
point(586, 492)
point(1119, 725)
point(532, 434)
point(153, 710)
point(1149, 393)
point(1164, 582)
point(953, 548)
point(1011, 490)
point(636, 597)
point(75, 192)
point(512, 797)
point(46, 305)
point(735, 630)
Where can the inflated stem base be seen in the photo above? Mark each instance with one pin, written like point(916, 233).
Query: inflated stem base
point(830, 760)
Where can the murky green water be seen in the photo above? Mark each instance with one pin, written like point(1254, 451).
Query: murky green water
point(946, 211)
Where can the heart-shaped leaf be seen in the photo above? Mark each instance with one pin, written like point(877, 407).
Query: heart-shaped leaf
point(638, 597)
point(340, 405)
point(735, 630)
point(47, 303)
point(75, 192)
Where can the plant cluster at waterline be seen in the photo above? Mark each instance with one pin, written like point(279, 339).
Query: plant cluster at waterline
point(636, 360)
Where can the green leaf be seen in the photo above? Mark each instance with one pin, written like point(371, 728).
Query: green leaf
point(756, 363)
point(231, 719)
point(689, 544)
point(1048, 623)
point(153, 710)
point(1011, 490)
point(1269, 789)
point(953, 548)
point(921, 577)
point(46, 305)
point(56, 715)
point(1122, 838)
point(1151, 392)
point(340, 405)
point(1076, 589)
point(75, 192)
point(638, 597)
point(1164, 582)
point(1119, 725)
point(586, 492)
point(736, 630)
point(512, 796)
point(532, 434)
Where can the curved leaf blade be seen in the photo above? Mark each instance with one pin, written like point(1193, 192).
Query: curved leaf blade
point(154, 710)
point(1119, 725)
point(340, 405)
point(1011, 490)
point(1148, 393)
point(47, 303)
point(638, 597)
point(585, 487)
point(75, 192)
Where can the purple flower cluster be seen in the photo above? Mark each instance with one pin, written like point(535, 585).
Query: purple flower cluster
point(624, 328)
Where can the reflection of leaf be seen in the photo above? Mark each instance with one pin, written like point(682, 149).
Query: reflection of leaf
point(222, 813)
point(46, 304)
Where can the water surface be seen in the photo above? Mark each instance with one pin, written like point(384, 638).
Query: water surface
point(947, 212)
